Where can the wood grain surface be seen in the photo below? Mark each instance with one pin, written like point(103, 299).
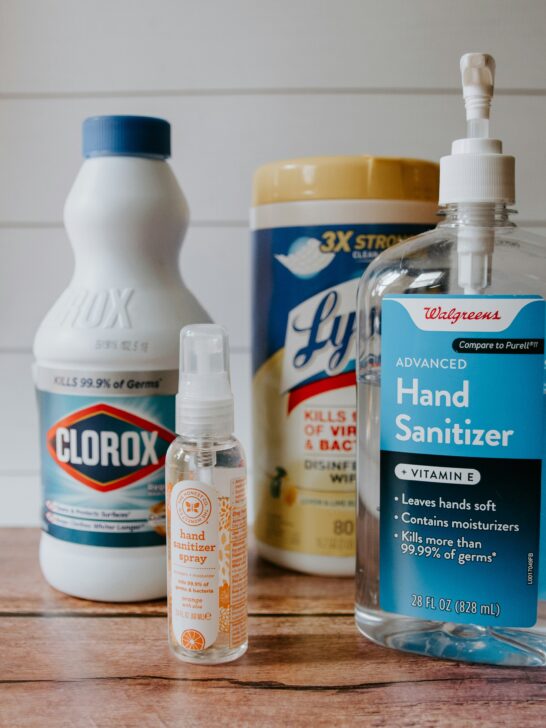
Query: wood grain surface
point(68, 662)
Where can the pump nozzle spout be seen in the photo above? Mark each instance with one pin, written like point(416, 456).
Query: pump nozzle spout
point(478, 79)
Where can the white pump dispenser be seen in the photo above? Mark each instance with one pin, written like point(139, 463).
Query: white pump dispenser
point(477, 170)
point(477, 174)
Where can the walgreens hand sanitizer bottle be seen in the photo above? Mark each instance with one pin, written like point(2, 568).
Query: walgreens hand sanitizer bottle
point(451, 419)
point(107, 367)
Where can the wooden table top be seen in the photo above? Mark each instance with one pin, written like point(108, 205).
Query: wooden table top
point(68, 662)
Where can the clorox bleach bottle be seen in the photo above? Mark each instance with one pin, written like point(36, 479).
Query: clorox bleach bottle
point(107, 367)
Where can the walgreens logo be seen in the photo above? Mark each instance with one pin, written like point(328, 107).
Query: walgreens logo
point(454, 315)
point(482, 314)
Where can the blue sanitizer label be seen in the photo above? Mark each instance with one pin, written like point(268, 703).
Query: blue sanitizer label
point(104, 437)
point(462, 421)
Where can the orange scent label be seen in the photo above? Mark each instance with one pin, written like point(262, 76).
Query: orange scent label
point(208, 563)
point(194, 564)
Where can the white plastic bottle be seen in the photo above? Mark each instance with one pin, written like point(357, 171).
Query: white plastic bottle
point(107, 367)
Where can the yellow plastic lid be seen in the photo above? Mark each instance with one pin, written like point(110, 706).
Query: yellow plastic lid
point(346, 178)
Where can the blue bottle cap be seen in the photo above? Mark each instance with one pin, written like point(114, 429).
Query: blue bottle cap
point(134, 136)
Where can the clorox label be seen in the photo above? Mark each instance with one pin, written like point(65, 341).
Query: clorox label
point(104, 442)
point(106, 448)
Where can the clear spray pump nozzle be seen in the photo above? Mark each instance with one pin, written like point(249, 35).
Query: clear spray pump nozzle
point(478, 79)
point(204, 352)
point(204, 401)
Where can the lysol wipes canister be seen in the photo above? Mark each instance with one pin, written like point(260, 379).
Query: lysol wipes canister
point(317, 223)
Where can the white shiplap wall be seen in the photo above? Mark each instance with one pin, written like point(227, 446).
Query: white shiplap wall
point(242, 82)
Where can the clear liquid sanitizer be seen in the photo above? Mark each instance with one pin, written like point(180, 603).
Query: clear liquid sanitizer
point(451, 419)
point(206, 508)
point(107, 367)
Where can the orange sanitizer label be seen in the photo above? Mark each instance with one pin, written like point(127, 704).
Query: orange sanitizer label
point(208, 564)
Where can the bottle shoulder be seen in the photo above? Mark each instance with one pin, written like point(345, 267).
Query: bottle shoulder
point(112, 189)
point(117, 326)
point(429, 264)
point(181, 445)
point(126, 302)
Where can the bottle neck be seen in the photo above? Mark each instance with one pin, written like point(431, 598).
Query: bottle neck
point(204, 452)
point(475, 226)
point(125, 217)
point(477, 214)
point(201, 419)
point(208, 442)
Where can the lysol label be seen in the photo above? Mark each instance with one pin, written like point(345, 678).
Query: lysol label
point(305, 285)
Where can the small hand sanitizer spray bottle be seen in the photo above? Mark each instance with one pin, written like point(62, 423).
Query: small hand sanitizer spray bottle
point(206, 508)
point(451, 409)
